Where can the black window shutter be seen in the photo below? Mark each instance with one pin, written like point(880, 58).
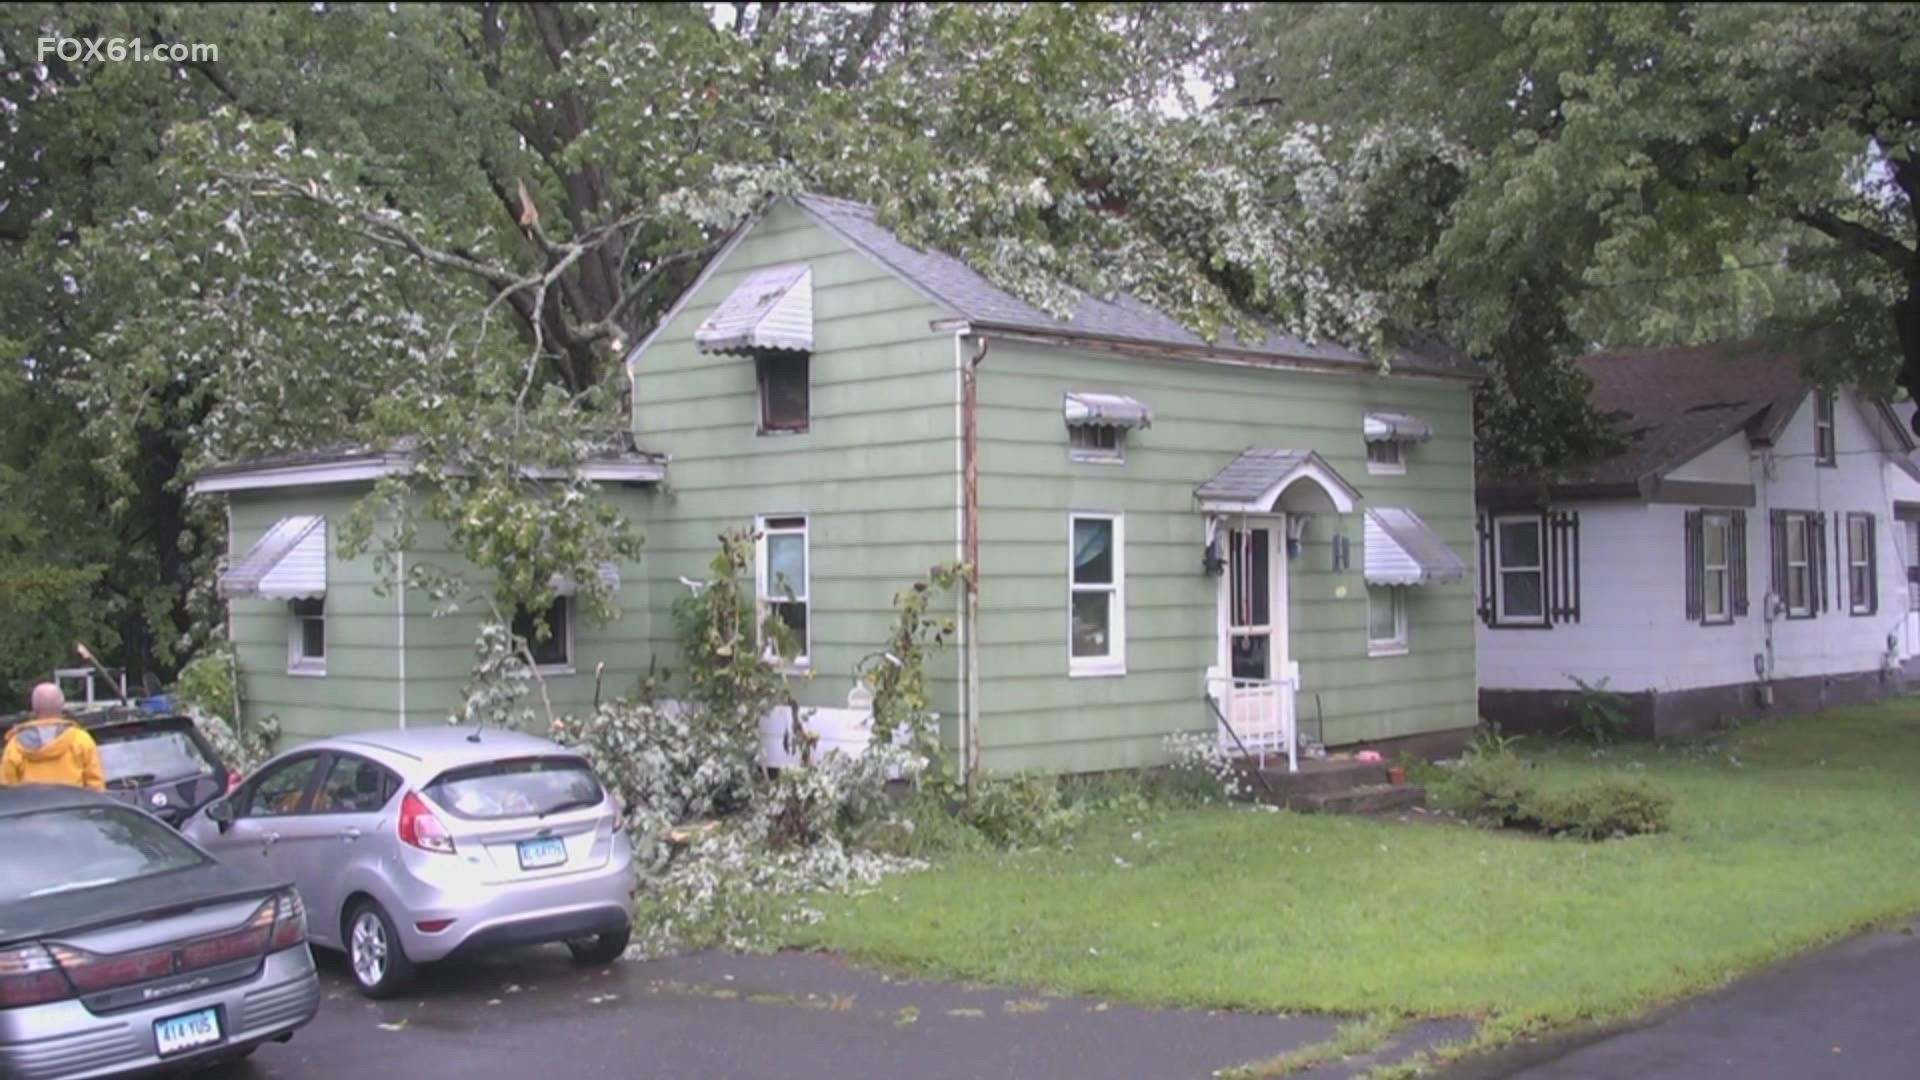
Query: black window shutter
point(1737, 562)
point(1817, 554)
point(1562, 532)
point(1777, 527)
point(1694, 548)
point(1873, 565)
point(1487, 570)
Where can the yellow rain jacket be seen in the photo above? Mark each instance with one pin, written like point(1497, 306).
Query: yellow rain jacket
point(52, 750)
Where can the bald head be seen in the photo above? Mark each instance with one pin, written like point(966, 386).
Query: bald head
point(48, 700)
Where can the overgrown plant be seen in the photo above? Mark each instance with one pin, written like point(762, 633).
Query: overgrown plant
point(208, 690)
point(733, 667)
point(1600, 714)
point(896, 675)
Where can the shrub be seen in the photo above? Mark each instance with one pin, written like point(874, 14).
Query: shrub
point(1490, 789)
point(1021, 811)
point(1605, 808)
point(1600, 713)
point(1200, 771)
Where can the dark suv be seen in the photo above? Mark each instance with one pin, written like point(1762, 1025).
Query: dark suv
point(156, 761)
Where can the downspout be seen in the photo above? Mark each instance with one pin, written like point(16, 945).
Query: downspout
point(400, 607)
point(970, 531)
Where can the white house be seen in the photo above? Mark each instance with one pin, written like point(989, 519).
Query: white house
point(1747, 550)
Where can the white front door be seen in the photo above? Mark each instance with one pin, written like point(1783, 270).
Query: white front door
point(1253, 634)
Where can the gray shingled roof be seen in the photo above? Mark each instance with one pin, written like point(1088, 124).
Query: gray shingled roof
point(1252, 473)
point(954, 285)
point(1667, 406)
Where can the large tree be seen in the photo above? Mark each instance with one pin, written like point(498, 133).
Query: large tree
point(1620, 173)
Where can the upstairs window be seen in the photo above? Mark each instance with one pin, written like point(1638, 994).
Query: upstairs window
point(1097, 442)
point(307, 637)
point(785, 394)
point(549, 637)
point(1825, 450)
point(1386, 457)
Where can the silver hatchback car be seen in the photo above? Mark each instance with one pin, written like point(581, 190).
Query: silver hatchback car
point(416, 845)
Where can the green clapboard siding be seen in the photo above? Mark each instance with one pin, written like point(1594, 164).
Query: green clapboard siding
point(383, 671)
point(1036, 717)
point(876, 474)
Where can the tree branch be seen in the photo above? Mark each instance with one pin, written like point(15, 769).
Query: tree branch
point(1859, 237)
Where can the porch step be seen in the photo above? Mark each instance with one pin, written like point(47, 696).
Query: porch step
point(1314, 778)
point(1367, 799)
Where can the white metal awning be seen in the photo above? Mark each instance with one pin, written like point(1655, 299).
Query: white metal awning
point(1263, 480)
point(564, 585)
point(1395, 427)
point(1087, 408)
point(1402, 550)
point(289, 562)
point(771, 309)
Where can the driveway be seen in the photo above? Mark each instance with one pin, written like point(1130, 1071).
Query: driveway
point(789, 1014)
point(1843, 1012)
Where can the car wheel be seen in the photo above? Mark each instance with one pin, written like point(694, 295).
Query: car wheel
point(601, 948)
point(380, 966)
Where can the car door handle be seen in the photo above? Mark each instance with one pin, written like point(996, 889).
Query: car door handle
point(350, 835)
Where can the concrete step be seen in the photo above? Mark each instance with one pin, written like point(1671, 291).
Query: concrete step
point(1366, 799)
point(1314, 777)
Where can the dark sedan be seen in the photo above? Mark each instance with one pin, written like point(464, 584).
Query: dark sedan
point(126, 949)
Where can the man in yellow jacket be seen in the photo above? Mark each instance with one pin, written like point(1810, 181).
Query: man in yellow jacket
point(50, 748)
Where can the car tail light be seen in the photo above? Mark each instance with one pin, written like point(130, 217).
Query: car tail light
point(29, 976)
point(233, 780)
point(289, 922)
point(420, 828)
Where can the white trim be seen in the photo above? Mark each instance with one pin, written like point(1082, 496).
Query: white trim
point(1802, 523)
point(298, 662)
point(1501, 569)
point(324, 474)
point(1397, 645)
point(1279, 625)
point(400, 630)
point(1115, 660)
point(763, 601)
point(1709, 521)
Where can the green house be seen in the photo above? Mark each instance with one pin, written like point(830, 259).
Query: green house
point(1167, 530)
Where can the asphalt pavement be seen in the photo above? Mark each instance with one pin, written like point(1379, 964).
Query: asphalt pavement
point(796, 1016)
point(1842, 1013)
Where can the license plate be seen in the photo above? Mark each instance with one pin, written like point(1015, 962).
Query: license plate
point(179, 1034)
point(540, 854)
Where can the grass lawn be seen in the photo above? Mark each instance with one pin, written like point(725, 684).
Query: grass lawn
point(1785, 834)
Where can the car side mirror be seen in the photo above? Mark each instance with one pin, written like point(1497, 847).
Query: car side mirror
point(220, 812)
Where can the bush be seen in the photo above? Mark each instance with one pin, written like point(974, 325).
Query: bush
point(1019, 812)
point(1605, 808)
point(1490, 789)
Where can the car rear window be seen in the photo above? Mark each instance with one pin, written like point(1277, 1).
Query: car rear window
point(83, 847)
point(148, 755)
point(522, 787)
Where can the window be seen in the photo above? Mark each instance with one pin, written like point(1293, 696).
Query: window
point(1386, 458)
point(280, 790)
point(1863, 579)
point(1521, 578)
point(1800, 537)
point(355, 785)
point(1096, 596)
point(1097, 442)
point(1386, 620)
point(523, 787)
point(784, 395)
point(1825, 450)
point(781, 581)
point(1716, 551)
point(550, 636)
point(1912, 531)
point(307, 637)
point(81, 848)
